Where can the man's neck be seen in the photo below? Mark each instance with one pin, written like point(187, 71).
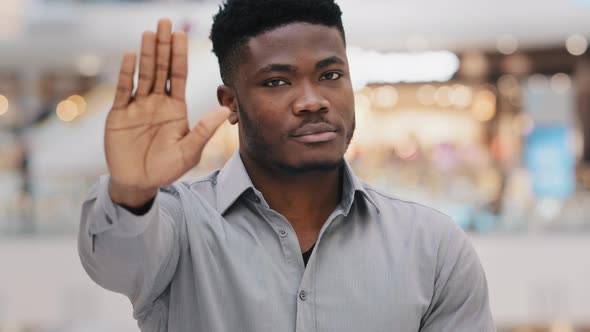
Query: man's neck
point(306, 199)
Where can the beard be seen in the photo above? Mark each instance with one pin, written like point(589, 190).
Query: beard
point(262, 152)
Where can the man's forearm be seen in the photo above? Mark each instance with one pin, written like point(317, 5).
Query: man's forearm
point(117, 247)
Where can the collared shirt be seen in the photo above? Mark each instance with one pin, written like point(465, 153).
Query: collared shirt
point(212, 256)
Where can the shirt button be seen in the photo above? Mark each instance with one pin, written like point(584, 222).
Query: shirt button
point(282, 232)
point(256, 199)
point(302, 295)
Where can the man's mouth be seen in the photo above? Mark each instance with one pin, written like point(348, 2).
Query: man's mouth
point(315, 133)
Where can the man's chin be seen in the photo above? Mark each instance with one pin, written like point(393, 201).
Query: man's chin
point(309, 166)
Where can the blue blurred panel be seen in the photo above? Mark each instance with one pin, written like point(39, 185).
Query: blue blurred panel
point(550, 161)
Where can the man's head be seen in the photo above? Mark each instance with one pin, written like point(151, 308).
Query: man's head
point(239, 20)
point(286, 77)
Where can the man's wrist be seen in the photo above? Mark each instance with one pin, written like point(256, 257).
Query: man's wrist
point(131, 198)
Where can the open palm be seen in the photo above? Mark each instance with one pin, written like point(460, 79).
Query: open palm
point(148, 142)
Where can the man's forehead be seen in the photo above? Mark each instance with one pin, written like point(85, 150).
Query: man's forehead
point(292, 40)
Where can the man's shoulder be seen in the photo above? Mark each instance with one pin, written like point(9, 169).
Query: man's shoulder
point(411, 213)
point(386, 200)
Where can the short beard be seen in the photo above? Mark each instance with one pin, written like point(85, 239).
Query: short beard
point(259, 150)
point(311, 167)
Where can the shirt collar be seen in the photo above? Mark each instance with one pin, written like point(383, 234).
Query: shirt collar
point(233, 180)
point(351, 184)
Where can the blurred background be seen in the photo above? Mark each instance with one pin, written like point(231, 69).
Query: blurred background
point(478, 108)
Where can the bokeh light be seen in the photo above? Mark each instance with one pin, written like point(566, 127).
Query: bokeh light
point(507, 44)
point(560, 83)
point(66, 110)
point(576, 44)
point(461, 95)
point(425, 95)
point(484, 106)
point(386, 96)
point(443, 96)
point(80, 104)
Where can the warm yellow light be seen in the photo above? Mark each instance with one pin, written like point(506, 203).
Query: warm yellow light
point(80, 104)
point(443, 96)
point(66, 110)
point(3, 104)
point(425, 95)
point(576, 44)
point(386, 97)
point(461, 95)
point(484, 106)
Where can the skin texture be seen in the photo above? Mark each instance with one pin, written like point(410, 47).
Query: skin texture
point(290, 78)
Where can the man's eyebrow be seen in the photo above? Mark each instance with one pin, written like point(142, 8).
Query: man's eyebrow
point(277, 67)
point(329, 61)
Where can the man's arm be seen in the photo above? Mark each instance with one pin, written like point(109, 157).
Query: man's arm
point(148, 145)
point(129, 254)
point(460, 302)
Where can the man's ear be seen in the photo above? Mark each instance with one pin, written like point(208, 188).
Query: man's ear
point(226, 97)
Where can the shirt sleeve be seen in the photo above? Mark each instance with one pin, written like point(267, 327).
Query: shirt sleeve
point(128, 254)
point(460, 302)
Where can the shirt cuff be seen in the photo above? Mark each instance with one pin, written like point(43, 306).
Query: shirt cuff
point(116, 218)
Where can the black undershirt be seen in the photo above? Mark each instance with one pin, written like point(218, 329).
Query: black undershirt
point(307, 254)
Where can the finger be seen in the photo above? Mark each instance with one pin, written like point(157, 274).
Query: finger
point(194, 142)
point(147, 65)
point(163, 55)
point(179, 66)
point(125, 84)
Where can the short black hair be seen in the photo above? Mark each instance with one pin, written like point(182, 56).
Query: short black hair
point(239, 20)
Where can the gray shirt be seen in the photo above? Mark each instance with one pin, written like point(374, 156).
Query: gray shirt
point(211, 256)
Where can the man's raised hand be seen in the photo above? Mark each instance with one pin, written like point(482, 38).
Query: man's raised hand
point(148, 143)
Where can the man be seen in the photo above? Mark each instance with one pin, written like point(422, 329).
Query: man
point(285, 237)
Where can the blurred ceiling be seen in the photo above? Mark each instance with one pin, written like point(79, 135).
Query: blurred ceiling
point(57, 33)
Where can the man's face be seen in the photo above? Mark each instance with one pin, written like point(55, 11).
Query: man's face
point(295, 99)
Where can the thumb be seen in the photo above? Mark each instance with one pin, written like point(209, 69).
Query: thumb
point(194, 142)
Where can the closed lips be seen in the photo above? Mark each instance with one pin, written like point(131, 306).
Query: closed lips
point(313, 128)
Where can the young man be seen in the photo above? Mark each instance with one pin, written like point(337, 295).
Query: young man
point(285, 237)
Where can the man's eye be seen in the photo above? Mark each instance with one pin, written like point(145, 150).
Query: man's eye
point(274, 83)
point(331, 76)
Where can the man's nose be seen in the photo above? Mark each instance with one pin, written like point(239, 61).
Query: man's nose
point(310, 99)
